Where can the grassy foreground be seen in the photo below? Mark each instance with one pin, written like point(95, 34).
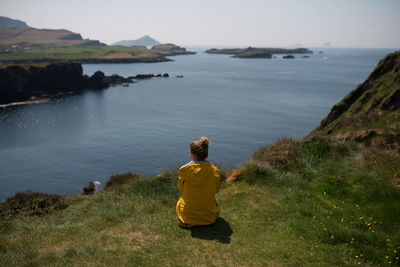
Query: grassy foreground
point(314, 202)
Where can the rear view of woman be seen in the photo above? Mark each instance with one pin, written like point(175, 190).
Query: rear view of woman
point(199, 181)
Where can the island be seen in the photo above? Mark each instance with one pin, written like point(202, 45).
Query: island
point(253, 52)
point(288, 57)
point(143, 41)
point(170, 50)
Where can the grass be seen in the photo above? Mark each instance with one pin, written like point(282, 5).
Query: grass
point(85, 53)
point(315, 203)
point(72, 52)
point(373, 105)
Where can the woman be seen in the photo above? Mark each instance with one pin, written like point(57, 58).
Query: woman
point(199, 181)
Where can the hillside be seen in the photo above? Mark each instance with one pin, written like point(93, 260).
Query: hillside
point(26, 45)
point(26, 37)
point(7, 23)
point(315, 202)
point(170, 50)
point(369, 113)
point(143, 41)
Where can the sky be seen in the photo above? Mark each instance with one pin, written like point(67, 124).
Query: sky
point(262, 23)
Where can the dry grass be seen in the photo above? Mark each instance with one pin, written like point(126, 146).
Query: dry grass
point(280, 155)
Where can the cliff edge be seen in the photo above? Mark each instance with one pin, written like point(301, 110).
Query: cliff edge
point(372, 110)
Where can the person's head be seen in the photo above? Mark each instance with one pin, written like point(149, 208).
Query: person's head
point(199, 149)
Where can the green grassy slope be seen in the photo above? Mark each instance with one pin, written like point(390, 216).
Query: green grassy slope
point(31, 36)
point(372, 110)
point(30, 45)
point(317, 203)
point(92, 54)
point(84, 54)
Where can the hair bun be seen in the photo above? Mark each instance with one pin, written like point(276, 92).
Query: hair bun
point(204, 141)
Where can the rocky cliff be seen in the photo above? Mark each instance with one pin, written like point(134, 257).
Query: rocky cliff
point(20, 83)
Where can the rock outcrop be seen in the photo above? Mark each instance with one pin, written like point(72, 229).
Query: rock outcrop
point(19, 83)
point(149, 76)
point(288, 57)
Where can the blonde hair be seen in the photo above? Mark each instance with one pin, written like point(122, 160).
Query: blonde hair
point(200, 148)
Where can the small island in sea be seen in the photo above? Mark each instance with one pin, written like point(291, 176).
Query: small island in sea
point(254, 52)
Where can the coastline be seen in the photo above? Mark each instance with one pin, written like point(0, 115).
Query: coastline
point(27, 102)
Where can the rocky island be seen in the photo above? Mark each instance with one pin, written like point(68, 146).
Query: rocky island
point(170, 50)
point(252, 52)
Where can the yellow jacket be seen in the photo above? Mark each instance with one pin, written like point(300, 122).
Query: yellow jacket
point(199, 182)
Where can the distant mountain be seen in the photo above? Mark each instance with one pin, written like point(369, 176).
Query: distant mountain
point(327, 44)
point(7, 23)
point(144, 41)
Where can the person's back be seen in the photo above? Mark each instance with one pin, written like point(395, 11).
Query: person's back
point(199, 181)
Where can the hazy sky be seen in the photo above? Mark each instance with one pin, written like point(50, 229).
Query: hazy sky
point(344, 23)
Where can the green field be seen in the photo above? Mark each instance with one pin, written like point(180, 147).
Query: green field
point(80, 53)
point(88, 54)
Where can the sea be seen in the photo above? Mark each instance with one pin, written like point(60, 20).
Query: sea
point(146, 128)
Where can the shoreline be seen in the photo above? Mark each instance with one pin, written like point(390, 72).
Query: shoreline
point(27, 102)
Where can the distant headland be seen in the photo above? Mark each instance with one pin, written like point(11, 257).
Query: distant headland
point(34, 83)
point(21, 44)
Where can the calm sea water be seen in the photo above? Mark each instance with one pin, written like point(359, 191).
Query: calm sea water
point(240, 104)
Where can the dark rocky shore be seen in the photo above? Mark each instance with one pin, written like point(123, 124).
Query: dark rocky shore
point(20, 83)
